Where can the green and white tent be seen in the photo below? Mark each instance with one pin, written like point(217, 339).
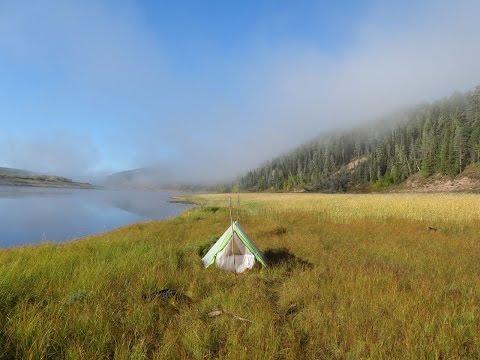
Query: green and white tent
point(234, 251)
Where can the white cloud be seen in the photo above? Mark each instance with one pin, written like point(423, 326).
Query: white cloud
point(262, 101)
point(304, 91)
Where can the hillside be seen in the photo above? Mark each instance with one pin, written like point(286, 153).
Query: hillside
point(15, 172)
point(141, 178)
point(19, 177)
point(438, 140)
point(146, 178)
point(154, 178)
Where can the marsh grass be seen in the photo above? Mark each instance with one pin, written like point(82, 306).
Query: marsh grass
point(351, 276)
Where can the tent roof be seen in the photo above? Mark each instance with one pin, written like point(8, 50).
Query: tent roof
point(209, 258)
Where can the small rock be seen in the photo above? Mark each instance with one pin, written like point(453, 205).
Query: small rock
point(215, 313)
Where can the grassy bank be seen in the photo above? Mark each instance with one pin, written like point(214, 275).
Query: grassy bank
point(351, 276)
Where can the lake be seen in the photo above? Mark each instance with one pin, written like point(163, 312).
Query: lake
point(30, 215)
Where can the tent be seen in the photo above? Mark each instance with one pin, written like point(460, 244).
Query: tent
point(234, 251)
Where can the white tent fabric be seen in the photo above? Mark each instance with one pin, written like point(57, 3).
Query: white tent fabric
point(235, 256)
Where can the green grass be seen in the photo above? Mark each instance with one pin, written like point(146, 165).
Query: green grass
point(352, 276)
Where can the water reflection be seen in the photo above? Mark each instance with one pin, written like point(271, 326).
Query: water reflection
point(29, 215)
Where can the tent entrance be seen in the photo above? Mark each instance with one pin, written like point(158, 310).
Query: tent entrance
point(235, 256)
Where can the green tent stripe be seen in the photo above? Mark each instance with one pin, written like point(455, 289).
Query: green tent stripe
point(249, 244)
point(209, 258)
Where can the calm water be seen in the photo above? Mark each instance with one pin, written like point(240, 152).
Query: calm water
point(30, 215)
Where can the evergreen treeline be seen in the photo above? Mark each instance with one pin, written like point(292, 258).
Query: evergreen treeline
point(438, 138)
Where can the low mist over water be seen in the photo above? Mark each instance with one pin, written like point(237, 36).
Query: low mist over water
point(32, 215)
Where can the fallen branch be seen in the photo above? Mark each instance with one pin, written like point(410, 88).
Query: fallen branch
point(215, 313)
point(241, 319)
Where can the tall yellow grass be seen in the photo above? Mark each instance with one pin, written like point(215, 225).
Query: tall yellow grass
point(437, 207)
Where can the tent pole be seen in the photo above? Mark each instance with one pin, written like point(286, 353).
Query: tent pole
point(238, 207)
point(233, 233)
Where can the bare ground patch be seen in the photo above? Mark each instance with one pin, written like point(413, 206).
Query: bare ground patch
point(442, 184)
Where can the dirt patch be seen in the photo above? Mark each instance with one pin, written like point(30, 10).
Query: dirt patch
point(442, 184)
point(354, 163)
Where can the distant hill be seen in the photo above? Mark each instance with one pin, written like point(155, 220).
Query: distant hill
point(147, 178)
point(431, 145)
point(15, 172)
point(19, 177)
point(152, 178)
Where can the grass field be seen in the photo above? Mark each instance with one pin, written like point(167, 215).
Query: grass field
point(351, 276)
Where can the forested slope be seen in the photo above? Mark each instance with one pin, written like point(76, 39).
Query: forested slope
point(438, 138)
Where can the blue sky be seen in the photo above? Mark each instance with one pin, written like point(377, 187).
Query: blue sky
point(210, 89)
